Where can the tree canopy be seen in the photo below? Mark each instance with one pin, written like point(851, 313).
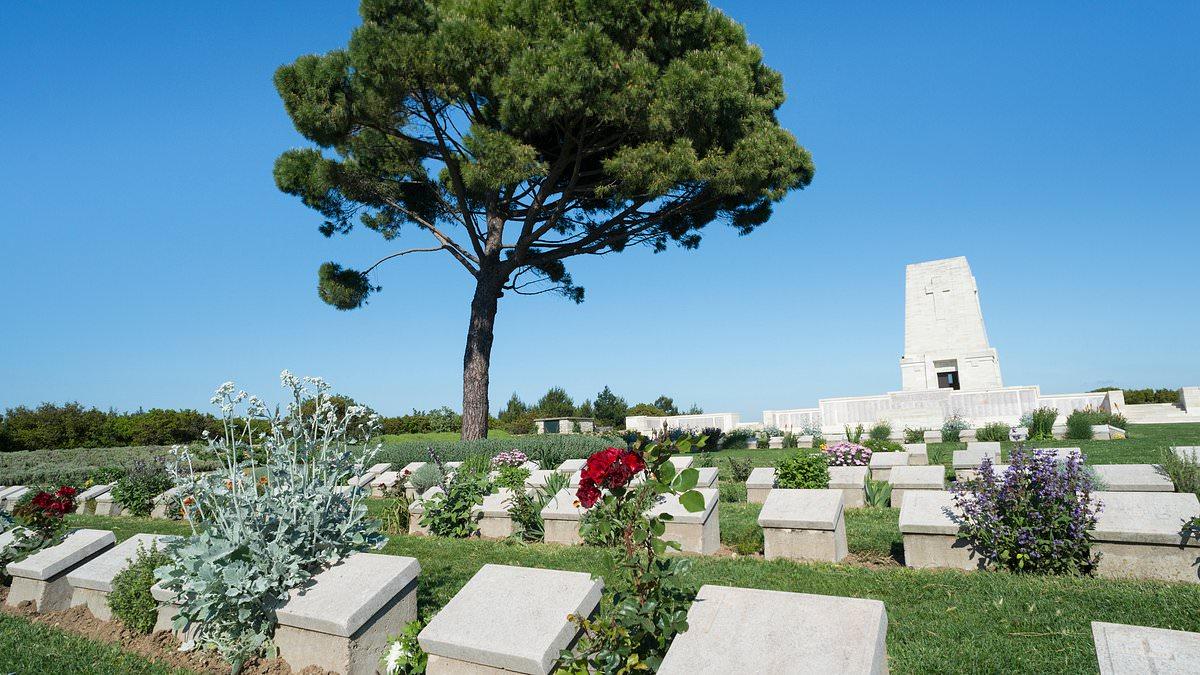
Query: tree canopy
point(518, 133)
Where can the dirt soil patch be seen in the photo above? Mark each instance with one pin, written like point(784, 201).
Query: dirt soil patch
point(160, 647)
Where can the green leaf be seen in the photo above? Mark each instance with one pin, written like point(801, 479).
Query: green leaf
point(687, 480)
point(691, 500)
point(666, 472)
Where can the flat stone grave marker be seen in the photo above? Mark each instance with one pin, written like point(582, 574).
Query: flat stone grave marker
point(417, 509)
point(1133, 478)
point(494, 521)
point(12, 496)
point(560, 518)
point(966, 462)
point(804, 525)
point(708, 476)
point(967, 435)
point(918, 453)
point(42, 577)
point(538, 477)
point(91, 582)
point(852, 481)
point(342, 619)
point(681, 462)
point(107, 506)
point(524, 633)
point(409, 469)
point(906, 478)
point(804, 441)
point(759, 484)
point(1139, 536)
point(698, 532)
point(1138, 650)
point(1063, 454)
point(167, 504)
point(775, 442)
point(984, 446)
point(931, 533)
point(383, 482)
point(571, 466)
point(883, 462)
point(744, 630)
point(933, 436)
point(85, 501)
point(1188, 453)
point(167, 611)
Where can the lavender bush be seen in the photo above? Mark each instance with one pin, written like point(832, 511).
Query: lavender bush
point(845, 453)
point(1034, 518)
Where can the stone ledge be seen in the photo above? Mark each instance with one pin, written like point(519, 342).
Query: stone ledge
point(1145, 517)
point(340, 599)
point(48, 563)
point(741, 630)
point(1133, 478)
point(928, 512)
point(98, 573)
point(1134, 650)
point(802, 509)
point(514, 618)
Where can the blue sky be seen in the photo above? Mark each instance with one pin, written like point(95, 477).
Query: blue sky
point(148, 256)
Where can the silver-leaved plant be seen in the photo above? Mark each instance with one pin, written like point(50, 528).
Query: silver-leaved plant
point(278, 511)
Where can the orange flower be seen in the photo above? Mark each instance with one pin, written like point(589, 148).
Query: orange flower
point(228, 484)
point(262, 480)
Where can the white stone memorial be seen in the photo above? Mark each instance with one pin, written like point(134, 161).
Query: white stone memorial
point(107, 506)
point(85, 502)
point(11, 496)
point(852, 481)
point(494, 519)
point(696, 532)
point(561, 517)
point(91, 582)
point(882, 464)
point(759, 484)
point(525, 633)
point(804, 525)
point(341, 621)
point(966, 462)
point(918, 453)
point(42, 576)
point(1139, 535)
point(416, 511)
point(907, 478)
point(1133, 478)
point(571, 466)
point(1138, 650)
point(707, 476)
point(927, 524)
point(743, 630)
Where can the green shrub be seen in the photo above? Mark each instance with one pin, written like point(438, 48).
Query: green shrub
point(1079, 425)
point(525, 508)
point(130, 598)
point(512, 477)
point(882, 431)
point(883, 445)
point(142, 482)
point(1117, 420)
point(953, 427)
point(542, 449)
point(739, 438)
point(914, 435)
point(426, 477)
point(879, 493)
point(1041, 423)
point(790, 440)
point(731, 492)
point(996, 431)
point(803, 470)
point(1183, 471)
point(450, 514)
point(71, 425)
point(740, 468)
point(855, 435)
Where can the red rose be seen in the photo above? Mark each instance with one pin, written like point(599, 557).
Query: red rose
point(66, 491)
point(588, 493)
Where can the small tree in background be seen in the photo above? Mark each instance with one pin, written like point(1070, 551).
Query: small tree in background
point(555, 403)
point(610, 409)
point(515, 134)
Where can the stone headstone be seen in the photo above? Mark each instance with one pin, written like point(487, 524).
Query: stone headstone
point(708, 476)
point(760, 482)
point(775, 442)
point(1138, 650)
point(934, 436)
point(986, 447)
point(918, 453)
point(852, 481)
point(572, 466)
point(495, 521)
point(883, 462)
point(804, 525)
point(560, 518)
point(524, 634)
point(106, 505)
point(905, 478)
point(743, 630)
point(696, 532)
point(930, 532)
point(1133, 478)
point(681, 462)
point(1139, 536)
point(9, 500)
point(92, 581)
point(342, 619)
point(1187, 453)
point(42, 577)
point(966, 462)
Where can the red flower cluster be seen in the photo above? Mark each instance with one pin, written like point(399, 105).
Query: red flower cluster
point(610, 468)
point(47, 509)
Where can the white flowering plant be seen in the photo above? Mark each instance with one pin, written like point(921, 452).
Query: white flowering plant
point(404, 655)
point(276, 512)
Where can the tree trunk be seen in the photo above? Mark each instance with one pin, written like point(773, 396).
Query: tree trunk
point(478, 356)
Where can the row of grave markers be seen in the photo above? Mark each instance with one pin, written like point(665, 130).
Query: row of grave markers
point(342, 620)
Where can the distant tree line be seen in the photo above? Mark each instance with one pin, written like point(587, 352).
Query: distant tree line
point(608, 409)
point(1138, 396)
point(51, 426)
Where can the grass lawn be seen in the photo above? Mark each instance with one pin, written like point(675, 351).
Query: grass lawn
point(32, 648)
